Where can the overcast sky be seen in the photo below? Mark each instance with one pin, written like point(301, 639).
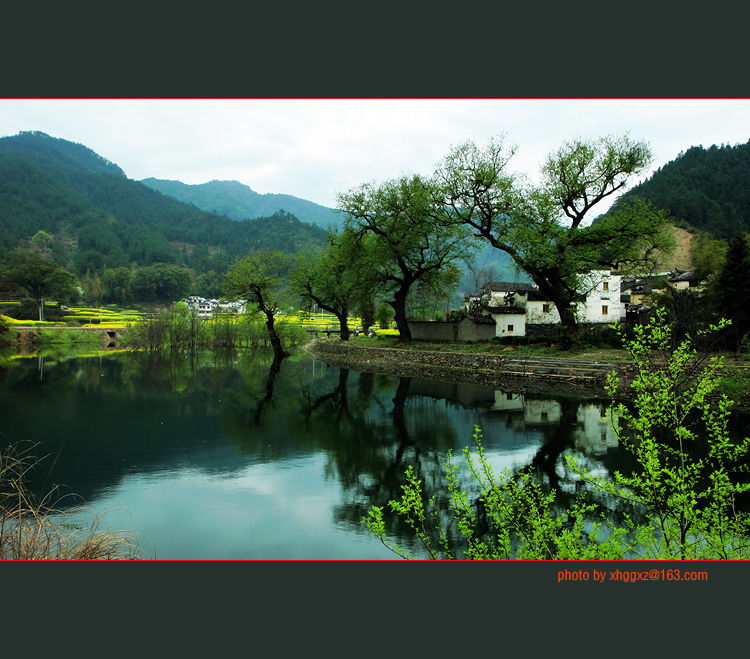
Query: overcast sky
point(314, 149)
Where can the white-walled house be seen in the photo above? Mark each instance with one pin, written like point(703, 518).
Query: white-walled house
point(515, 305)
point(602, 303)
point(509, 321)
point(206, 308)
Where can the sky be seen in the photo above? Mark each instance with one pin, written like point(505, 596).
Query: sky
point(317, 148)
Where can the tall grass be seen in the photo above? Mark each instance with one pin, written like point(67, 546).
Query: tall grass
point(33, 529)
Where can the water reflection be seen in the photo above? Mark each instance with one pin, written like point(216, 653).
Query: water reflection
point(240, 455)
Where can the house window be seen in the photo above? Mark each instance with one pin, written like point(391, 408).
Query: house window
point(606, 286)
point(510, 328)
point(605, 310)
point(545, 308)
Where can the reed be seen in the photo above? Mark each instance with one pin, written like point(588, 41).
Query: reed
point(32, 529)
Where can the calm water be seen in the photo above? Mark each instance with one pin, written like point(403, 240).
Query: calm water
point(235, 457)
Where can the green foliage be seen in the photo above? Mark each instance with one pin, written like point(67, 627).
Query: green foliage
point(707, 255)
point(40, 277)
point(338, 277)
point(413, 239)
point(99, 220)
point(691, 498)
point(383, 316)
point(542, 227)
point(261, 280)
point(686, 486)
point(239, 202)
point(518, 519)
point(161, 282)
point(729, 291)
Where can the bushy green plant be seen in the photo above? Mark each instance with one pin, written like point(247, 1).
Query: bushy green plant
point(686, 487)
point(689, 479)
point(519, 519)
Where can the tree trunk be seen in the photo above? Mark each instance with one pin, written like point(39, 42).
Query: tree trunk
point(344, 326)
point(561, 302)
point(399, 309)
point(274, 338)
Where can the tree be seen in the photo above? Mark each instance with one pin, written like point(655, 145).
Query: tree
point(413, 237)
point(691, 495)
point(161, 282)
point(337, 277)
point(40, 277)
point(730, 289)
point(542, 226)
point(117, 285)
point(260, 279)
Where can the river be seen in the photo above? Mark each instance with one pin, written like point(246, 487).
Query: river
point(234, 456)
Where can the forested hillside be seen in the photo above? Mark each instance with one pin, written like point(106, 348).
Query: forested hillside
point(62, 200)
point(98, 218)
point(239, 202)
point(707, 190)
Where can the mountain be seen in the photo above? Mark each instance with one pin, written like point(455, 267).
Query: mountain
point(705, 190)
point(98, 218)
point(59, 150)
point(239, 202)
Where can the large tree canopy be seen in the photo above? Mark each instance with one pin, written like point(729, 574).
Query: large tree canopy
point(40, 277)
point(260, 278)
point(545, 227)
point(337, 278)
point(413, 235)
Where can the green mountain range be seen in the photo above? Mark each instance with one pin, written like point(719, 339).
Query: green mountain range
point(98, 218)
point(239, 202)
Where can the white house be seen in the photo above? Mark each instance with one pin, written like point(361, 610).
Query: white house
point(514, 305)
point(206, 308)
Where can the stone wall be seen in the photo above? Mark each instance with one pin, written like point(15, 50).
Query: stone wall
point(464, 330)
point(433, 330)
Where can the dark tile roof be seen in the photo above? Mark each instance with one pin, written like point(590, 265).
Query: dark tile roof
point(508, 287)
point(686, 275)
point(518, 311)
point(479, 320)
point(537, 296)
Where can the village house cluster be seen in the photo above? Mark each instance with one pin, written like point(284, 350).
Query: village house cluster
point(207, 308)
point(505, 309)
point(606, 298)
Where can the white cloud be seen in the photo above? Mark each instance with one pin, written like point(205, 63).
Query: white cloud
point(317, 147)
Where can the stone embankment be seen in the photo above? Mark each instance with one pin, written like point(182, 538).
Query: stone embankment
point(509, 372)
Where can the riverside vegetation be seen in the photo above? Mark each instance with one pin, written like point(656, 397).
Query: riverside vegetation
point(38, 529)
point(683, 501)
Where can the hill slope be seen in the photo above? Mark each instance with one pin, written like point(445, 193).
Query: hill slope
point(239, 202)
point(703, 189)
point(101, 219)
